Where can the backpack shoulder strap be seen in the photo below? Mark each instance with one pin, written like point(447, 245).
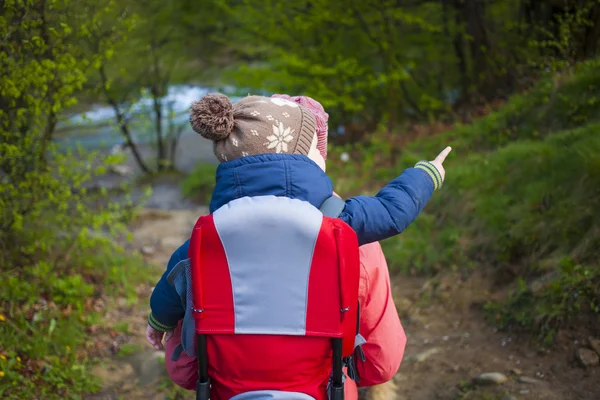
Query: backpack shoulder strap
point(332, 207)
point(179, 268)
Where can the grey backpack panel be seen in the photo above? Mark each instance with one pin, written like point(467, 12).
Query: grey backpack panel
point(333, 207)
point(272, 395)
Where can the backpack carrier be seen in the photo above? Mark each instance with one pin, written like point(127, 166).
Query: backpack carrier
point(272, 265)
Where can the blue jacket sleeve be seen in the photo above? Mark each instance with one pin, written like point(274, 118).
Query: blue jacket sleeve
point(396, 206)
point(165, 303)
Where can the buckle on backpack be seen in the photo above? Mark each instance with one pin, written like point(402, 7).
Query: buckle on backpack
point(197, 311)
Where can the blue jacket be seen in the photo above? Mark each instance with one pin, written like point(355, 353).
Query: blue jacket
point(373, 218)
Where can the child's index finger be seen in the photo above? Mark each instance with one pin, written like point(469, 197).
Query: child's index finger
point(442, 156)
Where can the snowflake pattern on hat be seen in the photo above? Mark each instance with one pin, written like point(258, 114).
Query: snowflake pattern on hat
point(280, 138)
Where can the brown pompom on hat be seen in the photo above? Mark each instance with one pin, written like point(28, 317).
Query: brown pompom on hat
point(253, 125)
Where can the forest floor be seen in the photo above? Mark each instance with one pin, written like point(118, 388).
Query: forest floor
point(449, 342)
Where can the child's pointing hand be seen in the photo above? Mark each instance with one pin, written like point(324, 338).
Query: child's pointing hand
point(439, 160)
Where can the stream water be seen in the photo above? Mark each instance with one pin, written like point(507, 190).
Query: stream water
point(96, 127)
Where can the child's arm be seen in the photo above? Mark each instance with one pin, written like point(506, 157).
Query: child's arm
point(396, 206)
point(165, 303)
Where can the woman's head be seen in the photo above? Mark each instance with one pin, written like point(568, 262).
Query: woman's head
point(258, 125)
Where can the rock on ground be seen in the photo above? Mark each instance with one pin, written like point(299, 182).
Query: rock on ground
point(595, 344)
point(491, 378)
point(586, 357)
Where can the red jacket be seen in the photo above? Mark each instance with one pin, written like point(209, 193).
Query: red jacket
point(305, 367)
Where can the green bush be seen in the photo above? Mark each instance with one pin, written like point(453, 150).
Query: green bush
point(546, 306)
point(199, 184)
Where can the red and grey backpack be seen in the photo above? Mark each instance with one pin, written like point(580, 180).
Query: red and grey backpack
point(272, 265)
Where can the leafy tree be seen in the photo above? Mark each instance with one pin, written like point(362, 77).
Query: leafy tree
point(390, 61)
point(166, 46)
point(44, 68)
point(56, 235)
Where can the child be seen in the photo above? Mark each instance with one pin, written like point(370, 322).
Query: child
point(275, 146)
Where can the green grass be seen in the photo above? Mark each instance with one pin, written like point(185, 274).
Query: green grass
point(128, 349)
point(529, 200)
point(470, 391)
point(522, 191)
point(39, 357)
point(122, 327)
point(44, 318)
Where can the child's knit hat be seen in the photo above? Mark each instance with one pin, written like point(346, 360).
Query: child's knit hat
point(253, 125)
point(321, 117)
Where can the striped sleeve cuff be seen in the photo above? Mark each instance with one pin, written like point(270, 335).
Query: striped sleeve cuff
point(156, 325)
point(432, 171)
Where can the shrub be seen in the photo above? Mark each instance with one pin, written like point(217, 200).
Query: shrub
point(59, 238)
point(546, 306)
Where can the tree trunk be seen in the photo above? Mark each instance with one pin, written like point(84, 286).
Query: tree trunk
point(446, 29)
point(47, 136)
point(122, 123)
point(173, 135)
point(459, 51)
point(473, 12)
point(157, 86)
point(160, 145)
point(173, 149)
point(393, 106)
point(592, 33)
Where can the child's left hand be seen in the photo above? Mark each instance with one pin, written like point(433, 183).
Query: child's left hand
point(439, 160)
point(155, 337)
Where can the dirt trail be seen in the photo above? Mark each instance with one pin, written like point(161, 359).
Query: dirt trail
point(138, 372)
point(449, 342)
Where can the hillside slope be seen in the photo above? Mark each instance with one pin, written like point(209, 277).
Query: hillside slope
point(521, 197)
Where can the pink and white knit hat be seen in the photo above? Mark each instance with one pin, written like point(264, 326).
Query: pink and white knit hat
point(321, 118)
